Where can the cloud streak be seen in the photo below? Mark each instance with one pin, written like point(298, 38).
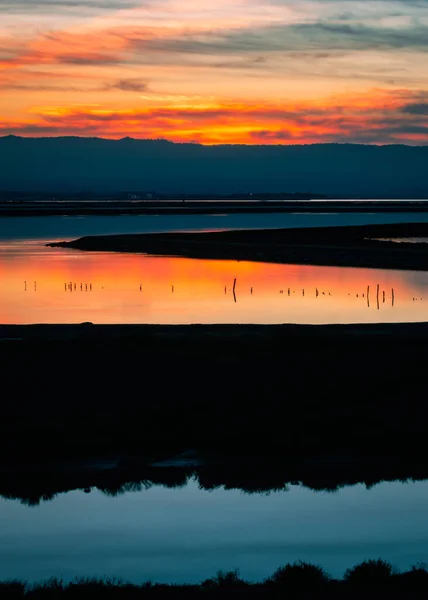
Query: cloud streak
point(129, 85)
point(380, 118)
point(43, 6)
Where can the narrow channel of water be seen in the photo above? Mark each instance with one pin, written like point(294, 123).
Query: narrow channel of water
point(66, 228)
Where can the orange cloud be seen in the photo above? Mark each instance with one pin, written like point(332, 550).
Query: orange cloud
point(378, 116)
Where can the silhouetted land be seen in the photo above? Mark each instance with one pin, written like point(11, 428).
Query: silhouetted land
point(350, 246)
point(76, 164)
point(136, 196)
point(372, 578)
point(325, 405)
point(34, 208)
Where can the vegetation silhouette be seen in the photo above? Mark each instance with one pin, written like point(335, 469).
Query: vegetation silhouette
point(300, 576)
point(370, 579)
point(224, 580)
point(372, 572)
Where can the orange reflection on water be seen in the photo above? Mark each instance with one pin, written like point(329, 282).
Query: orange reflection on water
point(45, 285)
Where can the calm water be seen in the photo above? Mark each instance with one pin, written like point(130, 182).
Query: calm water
point(105, 288)
point(187, 534)
point(59, 228)
point(412, 240)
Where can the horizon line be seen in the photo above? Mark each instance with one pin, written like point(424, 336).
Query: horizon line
point(128, 138)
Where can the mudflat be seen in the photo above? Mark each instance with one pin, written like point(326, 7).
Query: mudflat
point(350, 246)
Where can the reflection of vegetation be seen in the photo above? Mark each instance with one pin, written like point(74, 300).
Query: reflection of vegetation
point(261, 476)
point(371, 579)
point(263, 407)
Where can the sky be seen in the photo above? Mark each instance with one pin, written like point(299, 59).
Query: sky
point(226, 71)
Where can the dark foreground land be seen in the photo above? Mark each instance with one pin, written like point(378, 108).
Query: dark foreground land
point(252, 407)
point(351, 246)
point(370, 579)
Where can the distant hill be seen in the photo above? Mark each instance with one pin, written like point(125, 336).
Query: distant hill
point(93, 164)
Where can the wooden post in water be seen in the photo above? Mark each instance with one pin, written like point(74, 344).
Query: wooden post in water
point(377, 296)
point(393, 297)
point(368, 296)
point(234, 288)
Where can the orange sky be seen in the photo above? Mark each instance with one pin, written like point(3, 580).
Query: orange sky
point(234, 71)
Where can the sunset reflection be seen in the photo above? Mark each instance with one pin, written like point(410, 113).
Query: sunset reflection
point(45, 285)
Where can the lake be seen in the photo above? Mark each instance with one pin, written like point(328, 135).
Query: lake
point(186, 534)
point(53, 285)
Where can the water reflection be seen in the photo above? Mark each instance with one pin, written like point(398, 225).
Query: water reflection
point(187, 534)
point(249, 474)
point(411, 240)
point(44, 285)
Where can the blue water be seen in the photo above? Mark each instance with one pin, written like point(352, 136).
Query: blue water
point(66, 228)
point(187, 534)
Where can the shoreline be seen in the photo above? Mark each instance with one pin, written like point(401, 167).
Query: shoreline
point(349, 246)
point(188, 207)
point(11, 334)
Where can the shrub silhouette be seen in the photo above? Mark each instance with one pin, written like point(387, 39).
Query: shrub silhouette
point(419, 570)
point(107, 588)
point(370, 572)
point(12, 589)
point(371, 579)
point(225, 579)
point(415, 579)
point(51, 588)
point(300, 575)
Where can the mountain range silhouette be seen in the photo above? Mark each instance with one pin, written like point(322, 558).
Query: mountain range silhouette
point(95, 164)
